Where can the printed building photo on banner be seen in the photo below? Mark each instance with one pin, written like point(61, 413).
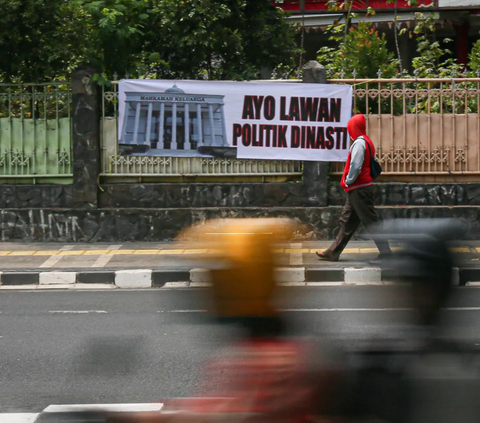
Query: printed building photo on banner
point(258, 120)
point(174, 120)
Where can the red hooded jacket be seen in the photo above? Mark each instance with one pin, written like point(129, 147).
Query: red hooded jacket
point(357, 128)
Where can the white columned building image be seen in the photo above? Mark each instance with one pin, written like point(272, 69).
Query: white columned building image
point(173, 123)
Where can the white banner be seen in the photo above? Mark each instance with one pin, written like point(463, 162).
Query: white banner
point(251, 120)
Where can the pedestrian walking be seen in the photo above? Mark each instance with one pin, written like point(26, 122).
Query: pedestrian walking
point(357, 181)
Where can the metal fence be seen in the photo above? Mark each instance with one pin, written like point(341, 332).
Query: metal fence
point(115, 164)
point(424, 127)
point(35, 133)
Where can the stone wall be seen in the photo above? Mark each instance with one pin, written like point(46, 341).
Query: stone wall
point(35, 196)
point(120, 225)
point(412, 194)
point(288, 194)
point(177, 195)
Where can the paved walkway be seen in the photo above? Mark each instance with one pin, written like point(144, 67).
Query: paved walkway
point(169, 256)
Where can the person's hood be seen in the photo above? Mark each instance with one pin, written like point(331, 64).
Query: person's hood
point(356, 126)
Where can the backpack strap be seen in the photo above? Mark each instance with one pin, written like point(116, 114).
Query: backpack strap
point(356, 139)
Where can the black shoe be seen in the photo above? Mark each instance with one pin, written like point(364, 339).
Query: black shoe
point(326, 256)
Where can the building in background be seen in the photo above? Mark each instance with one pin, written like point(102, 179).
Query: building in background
point(455, 19)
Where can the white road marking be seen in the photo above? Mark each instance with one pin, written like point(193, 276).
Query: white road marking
point(18, 417)
point(52, 409)
point(296, 259)
point(67, 247)
point(77, 311)
point(338, 310)
point(105, 258)
point(118, 408)
point(462, 309)
point(51, 261)
point(102, 260)
point(322, 310)
point(182, 311)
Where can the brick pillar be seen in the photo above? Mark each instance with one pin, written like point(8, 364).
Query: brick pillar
point(86, 138)
point(315, 174)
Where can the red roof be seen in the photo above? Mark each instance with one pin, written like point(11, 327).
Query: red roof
point(313, 5)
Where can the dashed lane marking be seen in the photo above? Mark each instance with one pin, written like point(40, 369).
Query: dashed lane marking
point(123, 252)
point(45, 253)
point(460, 250)
point(69, 253)
point(368, 250)
point(102, 260)
point(171, 251)
point(105, 258)
point(78, 312)
point(51, 261)
point(95, 252)
point(116, 408)
point(296, 256)
point(337, 310)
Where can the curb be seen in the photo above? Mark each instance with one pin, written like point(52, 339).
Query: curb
point(198, 278)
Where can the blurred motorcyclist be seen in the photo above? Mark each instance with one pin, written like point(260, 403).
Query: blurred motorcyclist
point(429, 377)
point(265, 376)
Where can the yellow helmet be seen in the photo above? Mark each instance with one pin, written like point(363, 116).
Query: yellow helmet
point(242, 263)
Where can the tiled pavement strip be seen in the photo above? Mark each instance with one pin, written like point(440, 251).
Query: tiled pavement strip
point(30, 263)
point(45, 249)
point(56, 256)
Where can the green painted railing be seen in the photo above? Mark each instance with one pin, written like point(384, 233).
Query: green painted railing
point(35, 133)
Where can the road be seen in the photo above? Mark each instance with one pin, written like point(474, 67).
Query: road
point(59, 347)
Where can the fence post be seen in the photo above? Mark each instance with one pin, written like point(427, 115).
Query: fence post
point(85, 138)
point(315, 174)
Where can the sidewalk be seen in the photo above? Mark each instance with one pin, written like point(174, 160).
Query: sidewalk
point(16, 257)
point(146, 265)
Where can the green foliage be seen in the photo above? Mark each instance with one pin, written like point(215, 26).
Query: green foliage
point(363, 51)
point(434, 61)
point(213, 39)
point(116, 34)
point(362, 54)
point(216, 39)
point(40, 40)
point(359, 50)
point(474, 59)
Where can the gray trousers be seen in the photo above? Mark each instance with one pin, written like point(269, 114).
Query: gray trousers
point(359, 208)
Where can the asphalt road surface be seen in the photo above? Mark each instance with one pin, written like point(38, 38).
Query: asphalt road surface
point(86, 347)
